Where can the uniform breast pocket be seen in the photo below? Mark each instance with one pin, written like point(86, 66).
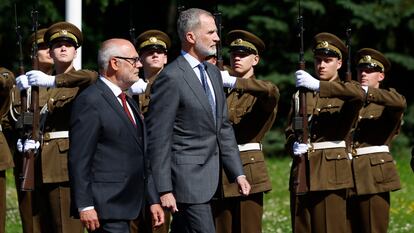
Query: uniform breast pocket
point(383, 168)
point(338, 166)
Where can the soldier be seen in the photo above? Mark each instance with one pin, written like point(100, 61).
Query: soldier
point(252, 107)
point(374, 170)
point(63, 39)
point(332, 108)
point(29, 210)
point(6, 159)
point(152, 47)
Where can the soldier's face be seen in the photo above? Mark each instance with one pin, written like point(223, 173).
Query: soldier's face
point(243, 62)
point(43, 55)
point(63, 52)
point(369, 77)
point(326, 67)
point(153, 59)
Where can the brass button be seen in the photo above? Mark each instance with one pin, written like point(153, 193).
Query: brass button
point(318, 109)
point(382, 160)
point(252, 158)
point(338, 156)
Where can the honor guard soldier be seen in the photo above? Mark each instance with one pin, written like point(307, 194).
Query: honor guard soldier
point(374, 170)
point(332, 108)
point(252, 107)
point(63, 39)
point(6, 159)
point(152, 46)
point(28, 205)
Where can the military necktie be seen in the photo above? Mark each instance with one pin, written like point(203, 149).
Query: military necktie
point(207, 90)
point(124, 104)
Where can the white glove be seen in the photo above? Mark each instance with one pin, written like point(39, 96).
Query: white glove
point(29, 144)
point(38, 78)
point(300, 148)
point(304, 79)
point(365, 89)
point(228, 80)
point(22, 83)
point(138, 87)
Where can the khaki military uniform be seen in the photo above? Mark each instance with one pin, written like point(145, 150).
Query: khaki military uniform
point(6, 160)
point(332, 112)
point(50, 199)
point(144, 98)
point(252, 107)
point(374, 170)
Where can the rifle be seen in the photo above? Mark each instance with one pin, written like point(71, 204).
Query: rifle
point(301, 185)
point(27, 177)
point(348, 76)
point(217, 17)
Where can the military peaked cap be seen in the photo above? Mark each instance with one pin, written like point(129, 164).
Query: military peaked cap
point(63, 31)
point(371, 58)
point(244, 41)
point(39, 40)
point(153, 40)
point(329, 45)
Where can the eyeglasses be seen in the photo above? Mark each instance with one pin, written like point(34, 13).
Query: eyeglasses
point(134, 60)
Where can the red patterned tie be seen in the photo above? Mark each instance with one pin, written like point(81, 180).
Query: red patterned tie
point(124, 104)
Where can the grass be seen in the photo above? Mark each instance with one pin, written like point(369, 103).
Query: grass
point(276, 211)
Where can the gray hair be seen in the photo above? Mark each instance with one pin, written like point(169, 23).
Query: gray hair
point(188, 20)
point(108, 50)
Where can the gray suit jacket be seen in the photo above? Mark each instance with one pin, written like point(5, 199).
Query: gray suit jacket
point(185, 146)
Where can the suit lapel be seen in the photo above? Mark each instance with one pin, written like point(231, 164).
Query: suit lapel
point(195, 85)
point(116, 106)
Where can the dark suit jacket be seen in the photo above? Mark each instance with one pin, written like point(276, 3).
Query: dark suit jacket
point(107, 160)
point(185, 145)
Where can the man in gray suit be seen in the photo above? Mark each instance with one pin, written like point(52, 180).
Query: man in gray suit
point(189, 135)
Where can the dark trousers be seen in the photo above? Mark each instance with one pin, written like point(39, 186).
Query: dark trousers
point(55, 217)
point(319, 212)
point(143, 224)
point(193, 218)
point(2, 201)
point(239, 214)
point(112, 226)
point(369, 213)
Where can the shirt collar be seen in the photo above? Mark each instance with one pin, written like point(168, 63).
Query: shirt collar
point(190, 59)
point(114, 88)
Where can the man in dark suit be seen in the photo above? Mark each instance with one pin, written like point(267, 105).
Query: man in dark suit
point(108, 167)
point(189, 135)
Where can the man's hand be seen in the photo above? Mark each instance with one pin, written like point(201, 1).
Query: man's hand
point(89, 219)
point(244, 186)
point(157, 215)
point(304, 79)
point(300, 148)
point(228, 80)
point(27, 145)
point(22, 82)
point(168, 201)
point(38, 78)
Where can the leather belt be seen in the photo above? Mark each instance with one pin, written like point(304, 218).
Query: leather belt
point(250, 146)
point(371, 149)
point(327, 145)
point(56, 135)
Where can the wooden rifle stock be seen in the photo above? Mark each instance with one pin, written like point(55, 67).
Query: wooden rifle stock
point(28, 174)
point(301, 183)
point(348, 61)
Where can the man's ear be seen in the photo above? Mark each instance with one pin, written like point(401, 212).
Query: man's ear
point(191, 37)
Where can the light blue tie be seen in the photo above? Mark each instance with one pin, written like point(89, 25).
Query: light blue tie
point(209, 95)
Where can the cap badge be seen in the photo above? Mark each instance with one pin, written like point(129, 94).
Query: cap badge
point(238, 41)
point(324, 44)
point(366, 59)
point(153, 39)
point(63, 32)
